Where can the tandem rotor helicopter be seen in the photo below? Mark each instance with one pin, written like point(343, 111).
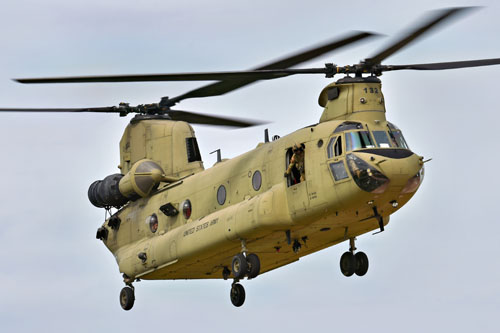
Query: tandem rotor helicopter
point(289, 197)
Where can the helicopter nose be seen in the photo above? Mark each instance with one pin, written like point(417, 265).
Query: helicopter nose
point(397, 171)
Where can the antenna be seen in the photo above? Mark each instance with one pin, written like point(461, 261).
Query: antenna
point(219, 157)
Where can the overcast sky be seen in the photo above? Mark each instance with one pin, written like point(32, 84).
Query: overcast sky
point(436, 266)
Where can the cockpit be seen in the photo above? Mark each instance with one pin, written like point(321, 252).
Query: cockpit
point(357, 137)
point(387, 141)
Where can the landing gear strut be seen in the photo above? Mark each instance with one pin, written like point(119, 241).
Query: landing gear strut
point(351, 263)
point(243, 265)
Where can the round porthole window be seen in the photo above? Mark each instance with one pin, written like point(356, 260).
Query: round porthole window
point(221, 195)
point(256, 180)
point(153, 223)
point(186, 208)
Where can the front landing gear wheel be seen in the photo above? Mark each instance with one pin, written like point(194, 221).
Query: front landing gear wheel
point(348, 264)
point(239, 266)
point(127, 298)
point(253, 265)
point(361, 263)
point(237, 294)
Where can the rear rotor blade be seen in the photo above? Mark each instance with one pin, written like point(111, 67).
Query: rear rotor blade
point(442, 65)
point(439, 18)
point(177, 115)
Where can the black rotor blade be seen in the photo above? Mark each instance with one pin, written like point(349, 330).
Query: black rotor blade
point(208, 76)
point(205, 119)
point(205, 76)
point(177, 115)
point(243, 76)
point(106, 109)
point(223, 87)
point(440, 17)
point(443, 65)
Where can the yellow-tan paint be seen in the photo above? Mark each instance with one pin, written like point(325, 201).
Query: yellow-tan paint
point(320, 212)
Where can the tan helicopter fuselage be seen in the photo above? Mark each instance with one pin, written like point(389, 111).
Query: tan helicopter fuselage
point(259, 210)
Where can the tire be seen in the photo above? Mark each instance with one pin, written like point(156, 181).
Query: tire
point(348, 264)
point(237, 295)
point(253, 264)
point(362, 263)
point(239, 266)
point(127, 298)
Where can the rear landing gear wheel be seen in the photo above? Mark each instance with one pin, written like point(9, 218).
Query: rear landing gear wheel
point(237, 294)
point(127, 298)
point(348, 264)
point(361, 263)
point(253, 265)
point(239, 266)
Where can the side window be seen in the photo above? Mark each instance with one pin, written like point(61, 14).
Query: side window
point(295, 172)
point(338, 170)
point(338, 147)
point(334, 147)
point(329, 148)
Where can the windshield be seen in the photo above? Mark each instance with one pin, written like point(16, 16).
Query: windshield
point(381, 139)
point(397, 137)
point(358, 140)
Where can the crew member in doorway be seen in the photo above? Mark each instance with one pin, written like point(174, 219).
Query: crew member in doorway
point(296, 166)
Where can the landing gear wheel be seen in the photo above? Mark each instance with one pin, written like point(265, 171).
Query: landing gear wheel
point(348, 264)
point(361, 263)
point(127, 298)
point(237, 295)
point(253, 265)
point(239, 266)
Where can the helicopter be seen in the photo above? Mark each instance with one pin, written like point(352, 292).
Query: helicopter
point(244, 217)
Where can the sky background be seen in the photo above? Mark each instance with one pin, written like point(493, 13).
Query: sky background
point(436, 266)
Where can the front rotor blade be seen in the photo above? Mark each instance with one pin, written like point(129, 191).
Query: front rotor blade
point(206, 76)
point(439, 18)
point(223, 87)
point(209, 76)
point(240, 76)
point(196, 118)
point(316, 51)
point(442, 65)
point(108, 109)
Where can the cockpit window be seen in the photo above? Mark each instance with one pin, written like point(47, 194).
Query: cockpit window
point(358, 140)
point(334, 147)
point(329, 148)
point(348, 125)
point(381, 139)
point(397, 137)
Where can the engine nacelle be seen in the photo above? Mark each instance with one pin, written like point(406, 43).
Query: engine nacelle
point(144, 176)
point(106, 192)
point(116, 190)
